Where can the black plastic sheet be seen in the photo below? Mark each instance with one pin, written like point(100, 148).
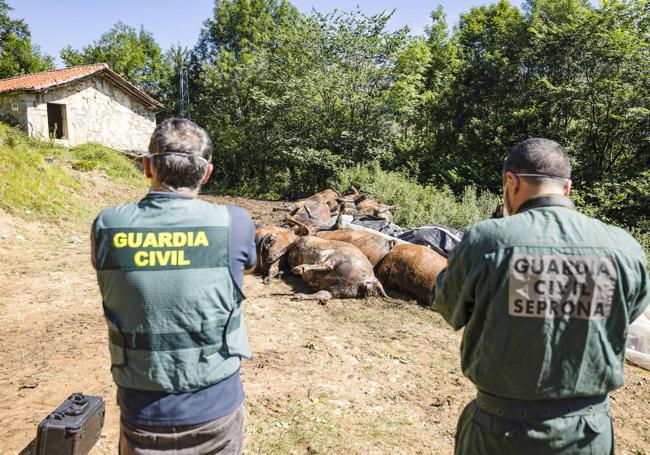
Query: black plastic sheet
point(441, 239)
point(378, 224)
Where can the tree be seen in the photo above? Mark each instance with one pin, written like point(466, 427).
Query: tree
point(482, 107)
point(133, 54)
point(590, 72)
point(18, 55)
point(175, 60)
point(290, 104)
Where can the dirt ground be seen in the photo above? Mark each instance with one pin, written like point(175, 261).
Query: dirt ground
point(353, 376)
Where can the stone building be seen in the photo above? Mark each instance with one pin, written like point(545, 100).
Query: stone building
point(78, 105)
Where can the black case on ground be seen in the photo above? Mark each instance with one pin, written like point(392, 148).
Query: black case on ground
point(73, 428)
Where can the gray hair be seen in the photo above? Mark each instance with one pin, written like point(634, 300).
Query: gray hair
point(180, 151)
point(540, 157)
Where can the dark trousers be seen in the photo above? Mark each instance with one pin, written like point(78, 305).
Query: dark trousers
point(222, 436)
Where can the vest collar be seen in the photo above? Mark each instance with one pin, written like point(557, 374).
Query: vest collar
point(547, 200)
point(166, 195)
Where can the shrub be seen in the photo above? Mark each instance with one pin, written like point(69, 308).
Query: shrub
point(419, 205)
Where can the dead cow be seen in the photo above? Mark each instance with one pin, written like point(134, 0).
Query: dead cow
point(412, 269)
point(309, 216)
point(368, 206)
point(333, 269)
point(373, 246)
point(328, 197)
point(272, 243)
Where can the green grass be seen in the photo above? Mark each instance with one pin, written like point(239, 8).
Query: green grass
point(88, 157)
point(419, 205)
point(37, 180)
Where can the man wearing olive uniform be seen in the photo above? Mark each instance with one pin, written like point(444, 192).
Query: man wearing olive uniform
point(170, 270)
point(546, 296)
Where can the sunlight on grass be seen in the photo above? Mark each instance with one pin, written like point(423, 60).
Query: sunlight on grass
point(36, 181)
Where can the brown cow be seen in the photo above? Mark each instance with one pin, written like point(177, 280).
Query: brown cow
point(328, 197)
point(333, 269)
point(272, 243)
point(374, 246)
point(309, 216)
point(412, 269)
point(368, 206)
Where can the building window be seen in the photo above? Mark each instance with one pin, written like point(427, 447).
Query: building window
point(56, 121)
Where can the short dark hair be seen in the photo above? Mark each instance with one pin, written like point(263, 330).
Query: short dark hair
point(539, 156)
point(180, 151)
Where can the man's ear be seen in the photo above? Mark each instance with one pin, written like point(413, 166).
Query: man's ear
point(208, 173)
point(512, 181)
point(147, 166)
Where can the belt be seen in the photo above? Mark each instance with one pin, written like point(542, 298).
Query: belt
point(541, 409)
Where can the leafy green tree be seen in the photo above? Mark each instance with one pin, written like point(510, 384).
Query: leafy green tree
point(18, 55)
point(227, 71)
point(175, 60)
point(483, 108)
point(133, 54)
point(289, 105)
point(590, 68)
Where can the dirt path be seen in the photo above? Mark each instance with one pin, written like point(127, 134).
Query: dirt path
point(351, 376)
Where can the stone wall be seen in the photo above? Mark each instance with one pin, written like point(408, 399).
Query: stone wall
point(20, 101)
point(95, 111)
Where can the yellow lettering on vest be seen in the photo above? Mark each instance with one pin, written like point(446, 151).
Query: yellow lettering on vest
point(201, 239)
point(150, 241)
point(119, 240)
point(163, 257)
point(179, 239)
point(190, 238)
point(134, 239)
point(141, 259)
point(165, 240)
point(181, 258)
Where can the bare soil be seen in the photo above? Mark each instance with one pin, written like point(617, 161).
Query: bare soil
point(351, 376)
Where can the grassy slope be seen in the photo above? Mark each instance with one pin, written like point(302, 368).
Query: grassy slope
point(41, 181)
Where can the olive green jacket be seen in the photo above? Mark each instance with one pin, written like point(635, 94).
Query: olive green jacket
point(546, 298)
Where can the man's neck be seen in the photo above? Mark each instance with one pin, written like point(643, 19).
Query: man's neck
point(535, 192)
point(180, 191)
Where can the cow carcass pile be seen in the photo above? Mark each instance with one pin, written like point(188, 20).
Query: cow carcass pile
point(345, 245)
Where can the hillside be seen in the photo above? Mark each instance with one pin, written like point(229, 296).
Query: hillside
point(350, 376)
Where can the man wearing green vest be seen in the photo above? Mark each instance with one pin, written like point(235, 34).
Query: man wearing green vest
point(170, 270)
point(546, 296)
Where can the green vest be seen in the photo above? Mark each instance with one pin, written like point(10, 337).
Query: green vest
point(173, 310)
point(546, 297)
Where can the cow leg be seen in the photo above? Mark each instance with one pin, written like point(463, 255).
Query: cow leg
point(274, 270)
point(322, 267)
point(320, 295)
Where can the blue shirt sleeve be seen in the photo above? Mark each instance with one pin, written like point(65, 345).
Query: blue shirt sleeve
point(242, 243)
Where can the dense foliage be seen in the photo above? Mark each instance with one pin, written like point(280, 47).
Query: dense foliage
point(18, 55)
point(419, 205)
point(296, 101)
point(133, 54)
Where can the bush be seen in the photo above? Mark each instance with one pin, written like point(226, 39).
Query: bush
point(419, 205)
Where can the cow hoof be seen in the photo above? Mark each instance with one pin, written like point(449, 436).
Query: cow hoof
point(266, 280)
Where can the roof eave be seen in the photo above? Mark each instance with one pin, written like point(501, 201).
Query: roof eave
point(149, 102)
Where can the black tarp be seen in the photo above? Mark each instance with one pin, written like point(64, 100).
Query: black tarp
point(440, 238)
point(378, 224)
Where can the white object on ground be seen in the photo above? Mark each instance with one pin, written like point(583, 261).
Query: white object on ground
point(638, 341)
